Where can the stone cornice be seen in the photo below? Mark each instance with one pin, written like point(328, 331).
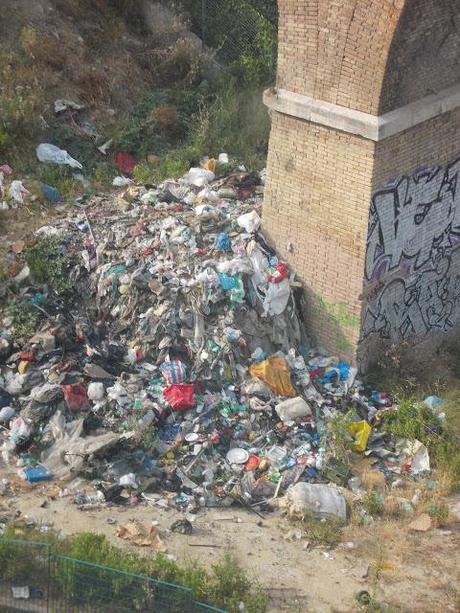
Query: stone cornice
point(362, 124)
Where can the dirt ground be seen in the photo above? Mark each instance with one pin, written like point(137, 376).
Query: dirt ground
point(417, 572)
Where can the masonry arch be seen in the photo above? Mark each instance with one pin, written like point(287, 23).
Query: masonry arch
point(369, 55)
point(368, 91)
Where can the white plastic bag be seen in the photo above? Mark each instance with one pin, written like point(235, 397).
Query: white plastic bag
point(20, 429)
point(18, 192)
point(320, 499)
point(53, 155)
point(277, 297)
point(128, 480)
point(290, 409)
point(6, 413)
point(96, 390)
point(249, 221)
point(121, 181)
point(199, 177)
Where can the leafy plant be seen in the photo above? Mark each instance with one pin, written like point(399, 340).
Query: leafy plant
point(25, 317)
point(338, 436)
point(48, 264)
point(412, 420)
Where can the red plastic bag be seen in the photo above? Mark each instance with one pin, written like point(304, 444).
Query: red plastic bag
point(125, 162)
point(75, 397)
point(281, 273)
point(180, 396)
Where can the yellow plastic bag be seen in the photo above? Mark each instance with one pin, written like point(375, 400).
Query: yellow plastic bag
point(361, 431)
point(210, 165)
point(275, 373)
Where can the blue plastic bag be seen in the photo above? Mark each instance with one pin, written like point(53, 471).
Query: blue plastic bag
point(223, 242)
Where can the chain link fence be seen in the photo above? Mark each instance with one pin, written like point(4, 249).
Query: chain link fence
point(234, 28)
point(33, 578)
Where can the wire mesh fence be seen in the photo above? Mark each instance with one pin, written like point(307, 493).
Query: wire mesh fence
point(235, 28)
point(33, 578)
point(24, 576)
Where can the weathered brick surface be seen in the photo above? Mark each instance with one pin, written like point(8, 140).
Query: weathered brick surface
point(424, 55)
point(317, 202)
point(358, 53)
point(372, 56)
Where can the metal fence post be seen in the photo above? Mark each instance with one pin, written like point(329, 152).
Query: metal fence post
point(48, 597)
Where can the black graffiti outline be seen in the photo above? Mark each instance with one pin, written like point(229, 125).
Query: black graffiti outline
point(402, 197)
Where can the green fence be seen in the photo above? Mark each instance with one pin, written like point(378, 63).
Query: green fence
point(33, 578)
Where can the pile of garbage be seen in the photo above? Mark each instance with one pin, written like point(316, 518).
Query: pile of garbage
point(176, 369)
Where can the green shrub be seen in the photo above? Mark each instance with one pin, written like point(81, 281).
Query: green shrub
point(373, 504)
point(226, 586)
point(48, 265)
point(25, 317)
point(412, 420)
point(234, 121)
point(339, 439)
point(143, 131)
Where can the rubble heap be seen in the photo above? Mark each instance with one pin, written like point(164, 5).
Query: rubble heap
point(174, 365)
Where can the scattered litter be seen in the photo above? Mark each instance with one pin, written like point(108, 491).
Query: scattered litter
point(121, 181)
point(18, 192)
point(126, 162)
point(105, 146)
point(182, 526)
point(62, 104)
point(51, 154)
point(142, 536)
point(179, 374)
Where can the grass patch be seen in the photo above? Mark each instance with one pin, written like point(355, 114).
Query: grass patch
point(225, 586)
point(373, 504)
point(412, 420)
point(21, 104)
point(235, 121)
point(61, 178)
point(326, 531)
point(167, 167)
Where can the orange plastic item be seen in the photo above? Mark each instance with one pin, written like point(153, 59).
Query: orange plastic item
point(252, 463)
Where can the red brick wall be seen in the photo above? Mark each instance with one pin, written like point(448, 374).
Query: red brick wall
point(336, 51)
point(371, 56)
point(317, 200)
